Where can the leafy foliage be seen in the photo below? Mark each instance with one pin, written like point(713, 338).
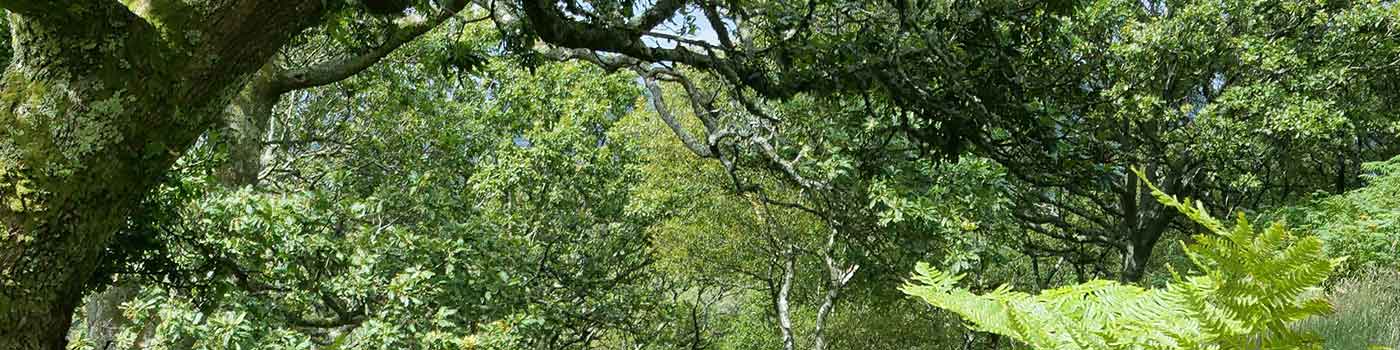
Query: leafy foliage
point(1361, 224)
point(469, 194)
point(391, 219)
point(1247, 287)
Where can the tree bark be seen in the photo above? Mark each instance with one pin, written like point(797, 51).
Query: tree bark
point(1145, 222)
point(784, 316)
point(1138, 255)
point(247, 118)
point(104, 319)
point(245, 128)
point(837, 277)
point(245, 121)
point(98, 102)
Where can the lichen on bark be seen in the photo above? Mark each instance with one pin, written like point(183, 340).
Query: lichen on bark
point(99, 103)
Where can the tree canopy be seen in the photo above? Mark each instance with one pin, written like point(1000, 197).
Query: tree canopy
point(721, 174)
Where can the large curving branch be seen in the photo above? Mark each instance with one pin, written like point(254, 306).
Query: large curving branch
point(738, 66)
point(61, 11)
point(554, 27)
point(650, 72)
point(337, 70)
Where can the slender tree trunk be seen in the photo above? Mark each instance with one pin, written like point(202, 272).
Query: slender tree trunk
point(1133, 258)
point(784, 316)
point(837, 277)
point(833, 291)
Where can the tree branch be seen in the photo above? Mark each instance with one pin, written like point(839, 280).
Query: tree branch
point(554, 27)
point(334, 71)
point(717, 24)
point(60, 10)
point(658, 13)
point(659, 103)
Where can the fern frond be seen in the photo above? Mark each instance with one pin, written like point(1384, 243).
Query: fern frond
point(1249, 284)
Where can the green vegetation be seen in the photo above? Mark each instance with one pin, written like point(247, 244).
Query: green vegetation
point(1246, 289)
point(1366, 313)
point(699, 174)
point(1359, 224)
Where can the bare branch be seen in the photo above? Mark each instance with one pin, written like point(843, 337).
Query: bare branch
point(606, 61)
point(658, 102)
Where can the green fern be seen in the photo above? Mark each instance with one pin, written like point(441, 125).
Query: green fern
point(1250, 285)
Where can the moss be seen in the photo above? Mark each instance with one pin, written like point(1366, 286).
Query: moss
point(20, 201)
point(94, 130)
point(171, 18)
point(52, 133)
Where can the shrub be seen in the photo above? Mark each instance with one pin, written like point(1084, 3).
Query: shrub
point(1362, 225)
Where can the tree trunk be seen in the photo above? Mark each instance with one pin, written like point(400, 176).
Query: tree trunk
point(1142, 240)
point(784, 316)
point(104, 319)
point(245, 124)
point(833, 291)
point(1137, 256)
point(244, 127)
point(98, 103)
point(837, 277)
point(1145, 221)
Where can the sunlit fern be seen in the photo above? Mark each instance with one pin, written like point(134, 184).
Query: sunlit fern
point(1247, 287)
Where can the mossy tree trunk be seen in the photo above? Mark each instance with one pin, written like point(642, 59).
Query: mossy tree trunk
point(244, 126)
point(100, 99)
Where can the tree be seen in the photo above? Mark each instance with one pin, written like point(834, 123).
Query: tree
point(380, 203)
point(766, 212)
point(101, 99)
point(104, 97)
point(1244, 111)
point(243, 126)
point(101, 114)
point(1065, 95)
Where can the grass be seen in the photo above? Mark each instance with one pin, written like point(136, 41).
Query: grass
point(1368, 313)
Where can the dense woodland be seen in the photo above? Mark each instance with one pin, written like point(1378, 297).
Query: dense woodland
point(700, 174)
